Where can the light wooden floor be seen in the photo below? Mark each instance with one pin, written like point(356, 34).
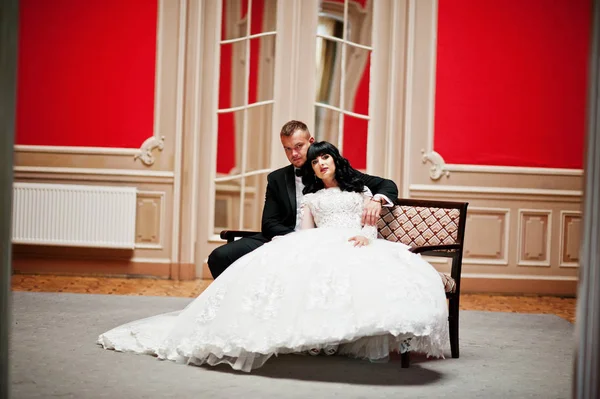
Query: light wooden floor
point(563, 307)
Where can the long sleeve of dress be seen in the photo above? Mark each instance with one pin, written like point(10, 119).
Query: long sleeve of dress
point(369, 231)
point(307, 220)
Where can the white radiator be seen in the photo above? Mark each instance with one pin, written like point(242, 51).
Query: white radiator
point(73, 215)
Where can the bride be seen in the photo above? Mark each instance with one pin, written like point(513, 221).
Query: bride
point(334, 287)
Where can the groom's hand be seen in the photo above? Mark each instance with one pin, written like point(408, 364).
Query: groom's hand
point(371, 212)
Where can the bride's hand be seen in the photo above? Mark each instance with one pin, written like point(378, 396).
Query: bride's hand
point(359, 241)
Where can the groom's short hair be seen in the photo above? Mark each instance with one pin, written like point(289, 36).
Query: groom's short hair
point(290, 128)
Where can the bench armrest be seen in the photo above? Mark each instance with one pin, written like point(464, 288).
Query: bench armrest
point(447, 250)
point(231, 235)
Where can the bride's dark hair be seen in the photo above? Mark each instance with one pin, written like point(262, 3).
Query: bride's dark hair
point(346, 176)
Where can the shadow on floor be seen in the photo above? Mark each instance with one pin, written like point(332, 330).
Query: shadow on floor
point(340, 369)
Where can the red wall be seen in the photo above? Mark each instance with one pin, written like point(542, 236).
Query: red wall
point(511, 82)
point(86, 72)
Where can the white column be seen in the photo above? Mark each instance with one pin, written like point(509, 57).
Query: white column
point(390, 78)
point(586, 384)
point(294, 86)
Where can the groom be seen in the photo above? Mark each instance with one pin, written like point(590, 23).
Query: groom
point(281, 214)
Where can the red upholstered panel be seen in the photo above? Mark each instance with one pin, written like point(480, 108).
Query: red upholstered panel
point(511, 82)
point(86, 72)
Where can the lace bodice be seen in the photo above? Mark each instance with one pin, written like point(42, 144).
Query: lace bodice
point(333, 207)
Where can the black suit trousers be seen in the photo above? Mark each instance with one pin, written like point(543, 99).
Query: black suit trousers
point(225, 255)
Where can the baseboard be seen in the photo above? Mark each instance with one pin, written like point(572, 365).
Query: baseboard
point(516, 286)
point(23, 264)
point(183, 271)
point(206, 275)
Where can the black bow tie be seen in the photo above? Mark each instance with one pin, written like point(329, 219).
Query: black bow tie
point(298, 172)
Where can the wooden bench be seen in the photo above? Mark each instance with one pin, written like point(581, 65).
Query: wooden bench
point(430, 228)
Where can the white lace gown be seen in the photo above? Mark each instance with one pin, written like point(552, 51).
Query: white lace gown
point(305, 290)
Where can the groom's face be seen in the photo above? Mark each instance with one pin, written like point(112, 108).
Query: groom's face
point(295, 147)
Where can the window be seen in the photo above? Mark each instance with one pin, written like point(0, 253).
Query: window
point(245, 107)
point(248, 146)
point(343, 76)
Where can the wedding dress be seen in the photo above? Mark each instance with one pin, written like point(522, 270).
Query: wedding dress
point(305, 290)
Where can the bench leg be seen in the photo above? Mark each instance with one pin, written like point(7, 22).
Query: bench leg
point(453, 321)
point(405, 360)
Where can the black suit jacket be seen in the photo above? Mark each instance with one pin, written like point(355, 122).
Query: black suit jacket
point(279, 212)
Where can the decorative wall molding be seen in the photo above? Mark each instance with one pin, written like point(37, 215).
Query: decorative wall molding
point(50, 149)
point(149, 145)
point(519, 277)
point(432, 75)
point(525, 246)
point(510, 187)
point(189, 189)
point(179, 96)
point(521, 170)
point(496, 190)
point(437, 260)
point(215, 239)
point(150, 220)
point(496, 223)
point(93, 171)
point(568, 238)
point(142, 153)
point(437, 172)
point(151, 260)
point(408, 99)
point(438, 166)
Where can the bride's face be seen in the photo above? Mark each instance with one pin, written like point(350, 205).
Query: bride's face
point(324, 167)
